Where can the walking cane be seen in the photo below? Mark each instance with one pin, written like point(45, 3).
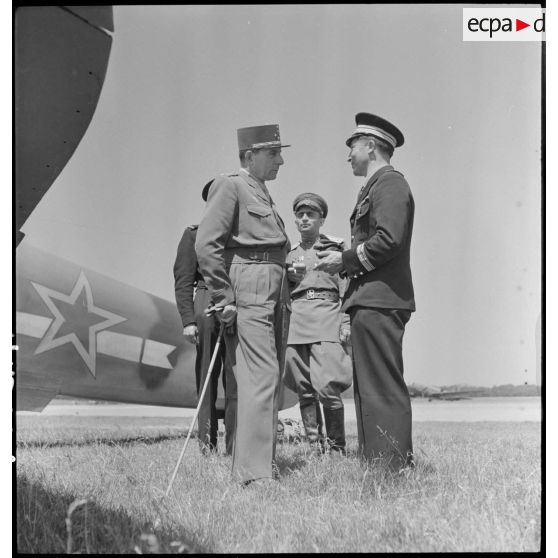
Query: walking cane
point(206, 383)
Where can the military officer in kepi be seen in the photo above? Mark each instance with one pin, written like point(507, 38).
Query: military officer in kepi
point(242, 248)
point(317, 367)
point(202, 330)
point(379, 296)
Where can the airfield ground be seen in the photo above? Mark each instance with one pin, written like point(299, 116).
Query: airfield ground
point(95, 485)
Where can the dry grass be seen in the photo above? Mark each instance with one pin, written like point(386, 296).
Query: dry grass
point(477, 487)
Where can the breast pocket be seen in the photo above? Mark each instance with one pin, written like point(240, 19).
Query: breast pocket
point(363, 209)
point(262, 221)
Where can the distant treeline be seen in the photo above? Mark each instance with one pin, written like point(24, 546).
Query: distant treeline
point(506, 390)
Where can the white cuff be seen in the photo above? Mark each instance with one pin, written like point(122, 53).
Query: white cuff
point(363, 259)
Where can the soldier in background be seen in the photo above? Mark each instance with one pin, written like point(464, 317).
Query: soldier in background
point(317, 367)
point(242, 247)
point(202, 330)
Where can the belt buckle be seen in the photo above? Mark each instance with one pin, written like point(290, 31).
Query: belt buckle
point(310, 294)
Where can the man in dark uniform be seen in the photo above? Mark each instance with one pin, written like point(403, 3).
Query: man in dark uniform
point(380, 296)
point(317, 367)
point(242, 247)
point(202, 330)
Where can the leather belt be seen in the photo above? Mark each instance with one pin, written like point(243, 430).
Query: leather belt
point(246, 255)
point(311, 294)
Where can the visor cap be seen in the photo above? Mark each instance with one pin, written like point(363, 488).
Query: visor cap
point(372, 125)
point(258, 137)
point(309, 199)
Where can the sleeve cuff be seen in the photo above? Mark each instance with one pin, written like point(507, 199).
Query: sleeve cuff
point(353, 263)
point(363, 259)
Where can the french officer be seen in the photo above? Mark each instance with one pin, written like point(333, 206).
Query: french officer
point(380, 296)
point(202, 330)
point(242, 248)
point(317, 367)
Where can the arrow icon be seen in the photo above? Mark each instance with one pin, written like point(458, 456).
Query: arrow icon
point(519, 25)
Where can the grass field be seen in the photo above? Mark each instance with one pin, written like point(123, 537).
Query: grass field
point(95, 485)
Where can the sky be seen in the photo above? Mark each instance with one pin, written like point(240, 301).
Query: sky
point(182, 79)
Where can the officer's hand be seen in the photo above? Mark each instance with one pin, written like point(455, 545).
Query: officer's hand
point(345, 334)
point(228, 316)
point(330, 262)
point(295, 274)
point(191, 333)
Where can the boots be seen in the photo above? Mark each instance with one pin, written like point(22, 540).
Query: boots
point(310, 420)
point(335, 426)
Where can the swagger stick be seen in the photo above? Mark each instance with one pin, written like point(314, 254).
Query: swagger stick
point(206, 383)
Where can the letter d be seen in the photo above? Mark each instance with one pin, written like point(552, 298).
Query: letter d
point(536, 24)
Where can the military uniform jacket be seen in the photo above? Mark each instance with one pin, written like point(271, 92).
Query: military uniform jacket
point(314, 320)
point(187, 275)
point(378, 263)
point(238, 215)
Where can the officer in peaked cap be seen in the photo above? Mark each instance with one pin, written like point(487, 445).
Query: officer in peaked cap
point(317, 367)
point(202, 331)
point(242, 247)
point(380, 297)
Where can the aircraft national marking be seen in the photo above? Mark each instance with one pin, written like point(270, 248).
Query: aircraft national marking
point(119, 345)
point(95, 338)
point(31, 324)
point(80, 302)
point(155, 353)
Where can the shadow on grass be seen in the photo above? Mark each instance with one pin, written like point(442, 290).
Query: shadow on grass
point(43, 527)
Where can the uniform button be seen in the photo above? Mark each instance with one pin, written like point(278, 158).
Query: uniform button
point(361, 272)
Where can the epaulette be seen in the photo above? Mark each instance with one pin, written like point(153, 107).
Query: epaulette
point(398, 172)
point(192, 227)
point(335, 239)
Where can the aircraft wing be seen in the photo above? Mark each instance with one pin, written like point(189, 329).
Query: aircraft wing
point(61, 55)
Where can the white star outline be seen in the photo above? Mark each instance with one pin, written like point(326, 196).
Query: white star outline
point(48, 342)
